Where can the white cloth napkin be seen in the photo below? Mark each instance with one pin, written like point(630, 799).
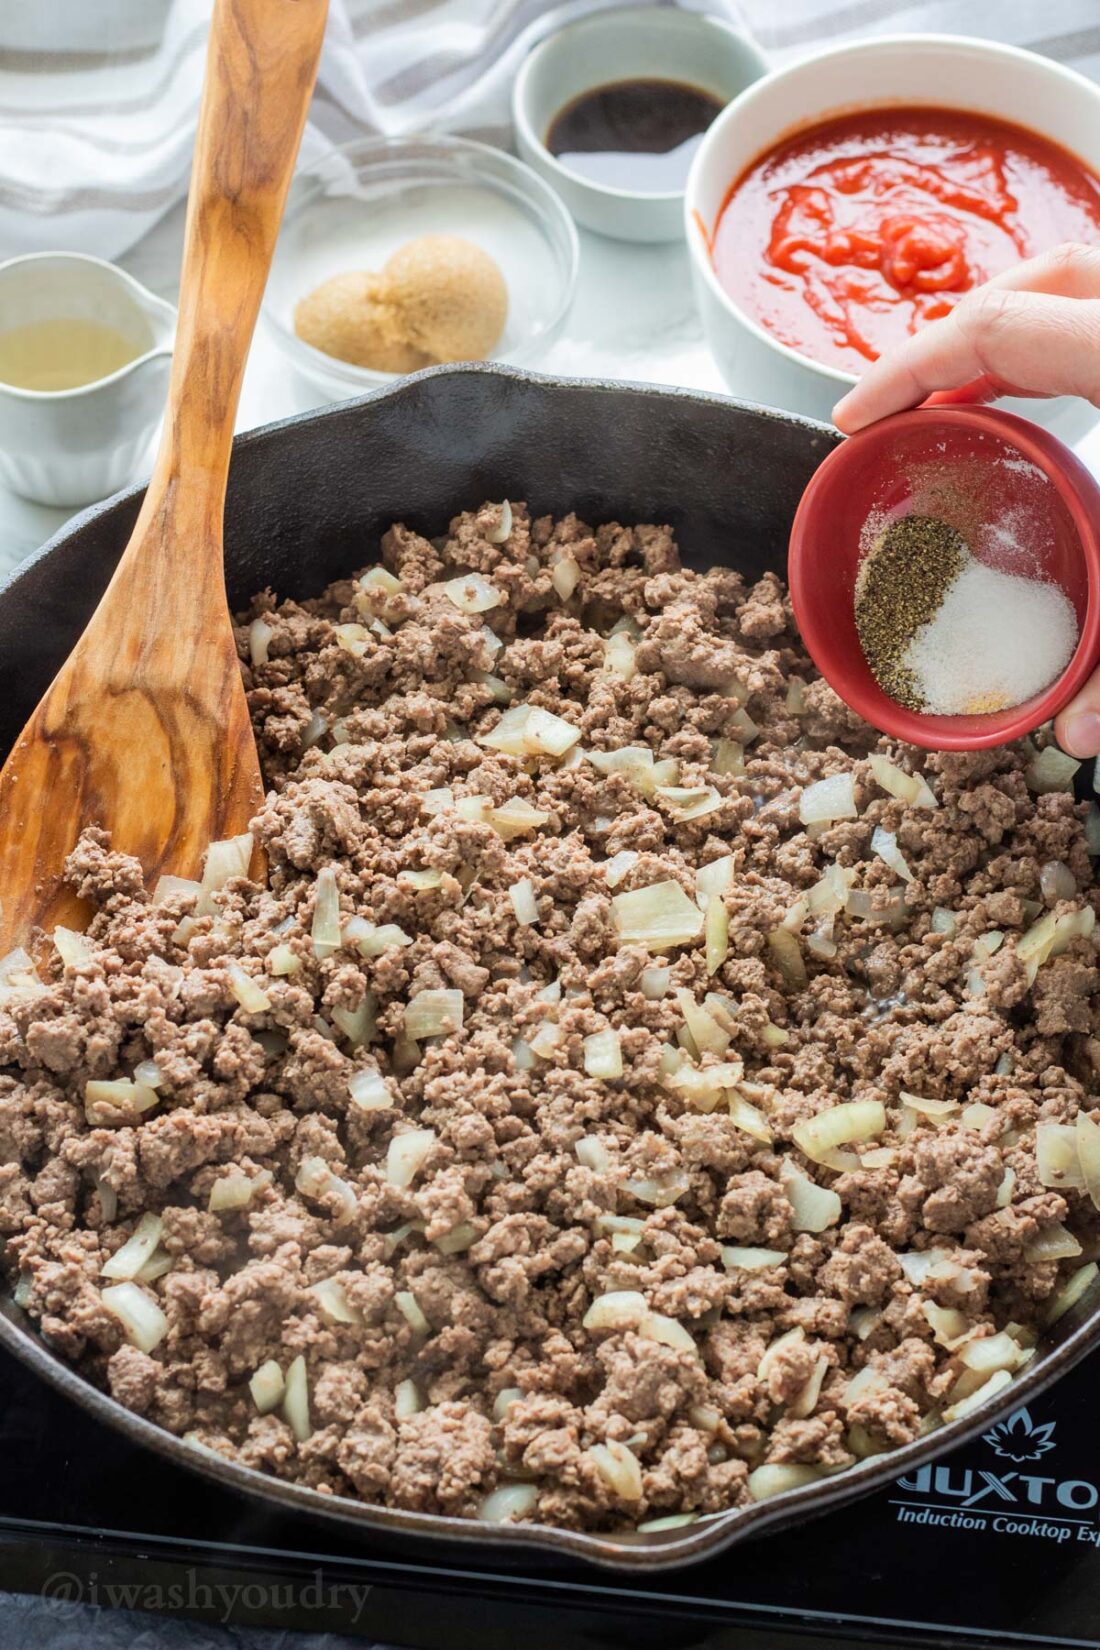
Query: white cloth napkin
point(98, 98)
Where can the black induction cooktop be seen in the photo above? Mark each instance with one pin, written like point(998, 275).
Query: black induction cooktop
point(996, 1545)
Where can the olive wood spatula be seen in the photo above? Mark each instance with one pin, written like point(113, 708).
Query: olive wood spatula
point(145, 730)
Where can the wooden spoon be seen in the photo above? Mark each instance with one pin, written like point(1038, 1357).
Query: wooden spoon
point(145, 730)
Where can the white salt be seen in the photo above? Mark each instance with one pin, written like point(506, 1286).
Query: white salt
point(996, 640)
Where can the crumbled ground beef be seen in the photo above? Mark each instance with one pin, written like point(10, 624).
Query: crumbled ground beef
point(409, 1234)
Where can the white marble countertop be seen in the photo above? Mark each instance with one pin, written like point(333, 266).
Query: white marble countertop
point(633, 317)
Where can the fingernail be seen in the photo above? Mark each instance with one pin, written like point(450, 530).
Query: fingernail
point(1081, 734)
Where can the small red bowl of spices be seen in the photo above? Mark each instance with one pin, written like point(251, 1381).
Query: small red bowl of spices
point(944, 569)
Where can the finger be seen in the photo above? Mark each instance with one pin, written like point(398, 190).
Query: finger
point(1066, 271)
point(1041, 345)
point(1077, 728)
point(977, 393)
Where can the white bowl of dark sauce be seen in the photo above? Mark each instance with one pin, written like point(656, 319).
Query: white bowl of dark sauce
point(610, 110)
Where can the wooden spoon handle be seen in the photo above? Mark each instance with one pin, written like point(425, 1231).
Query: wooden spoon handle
point(260, 70)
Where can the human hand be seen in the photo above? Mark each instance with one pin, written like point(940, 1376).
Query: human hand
point(1033, 331)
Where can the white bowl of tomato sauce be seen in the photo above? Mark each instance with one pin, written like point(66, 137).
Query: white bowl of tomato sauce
point(837, 205)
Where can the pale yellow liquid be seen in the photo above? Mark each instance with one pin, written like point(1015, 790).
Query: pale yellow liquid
point(63, 354)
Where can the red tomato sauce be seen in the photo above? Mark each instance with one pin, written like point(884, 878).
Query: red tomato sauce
point(853, 233)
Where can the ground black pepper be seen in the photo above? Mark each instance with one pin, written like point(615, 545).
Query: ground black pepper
point(901, 585)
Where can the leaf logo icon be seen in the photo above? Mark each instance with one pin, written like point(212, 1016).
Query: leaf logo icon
point(1019, 1439)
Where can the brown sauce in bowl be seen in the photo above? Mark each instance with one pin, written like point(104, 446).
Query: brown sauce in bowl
point(639, 135)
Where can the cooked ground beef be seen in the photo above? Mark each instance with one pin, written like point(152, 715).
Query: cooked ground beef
point(493, 1187)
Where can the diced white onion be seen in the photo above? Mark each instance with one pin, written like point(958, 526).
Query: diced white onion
point(736, 1258)
point(660, 1192)
point(433, 1014)
point(787, 953)
point(944, 922)
point(118, 1100)
point(619, 651)
point(508, 1504)
point(406, 1155)
point(775, 1478)
point(617, 1309)
point(929, 1108)
point(1051, 770)
point(352, 638)
point(671, 1521)
point(144, 1323)
point(259, 635)
point(1056, 1156)
point(498, 534)
point(224, 862)
point(950, 1327)
point(73, 948)
point(235, 1190)
point(368, 1090)
point(990, 1352)
point(996, 1383)
point(316, 1178)
point(666, 1332)
point(729, 757)
point(412, 1312)
point(592, 1153)
point(332, 1299)
point(528, 730)
point(169, 887)
point(325, 928)
point(565, 576)
point(1088, 1155)
point(546, 1040)
point(515, 818)
point(371, 939)
point(885, 845)
point(815, 1207)
point(655, 983)
point(315, 730)
point(524, 902)
point(744, 1115)
point(1070, 1292)
point(619, 1468)
point(829, 799)
point(658, 916)
point(819, 1136)
point(437, 801)
point(689, 802)
point(1057, 881)
point(148, 1073)
point(128, 1261)
point(616, 868)
point(282, 961)
point(267, 1387)
point(251, 996)
point(1092, 828)
point(471, 593)
point(716, 936)
point(713, 879)
point(1054, 1242)
point(359, 1025)
point(603, 1055)
point(911, 788)
point(296, 1400)
point(422, 882)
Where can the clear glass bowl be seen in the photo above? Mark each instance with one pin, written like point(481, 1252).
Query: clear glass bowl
point(354, 206)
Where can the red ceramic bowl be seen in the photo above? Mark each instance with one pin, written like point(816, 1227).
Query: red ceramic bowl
point(1003, 483)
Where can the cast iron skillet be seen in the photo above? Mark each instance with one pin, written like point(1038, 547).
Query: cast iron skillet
point(308, 500)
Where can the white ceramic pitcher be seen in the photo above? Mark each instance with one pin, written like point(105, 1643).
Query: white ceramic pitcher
point(70, 446)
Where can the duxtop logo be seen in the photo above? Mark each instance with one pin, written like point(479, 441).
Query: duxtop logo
point(1019, 1438)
